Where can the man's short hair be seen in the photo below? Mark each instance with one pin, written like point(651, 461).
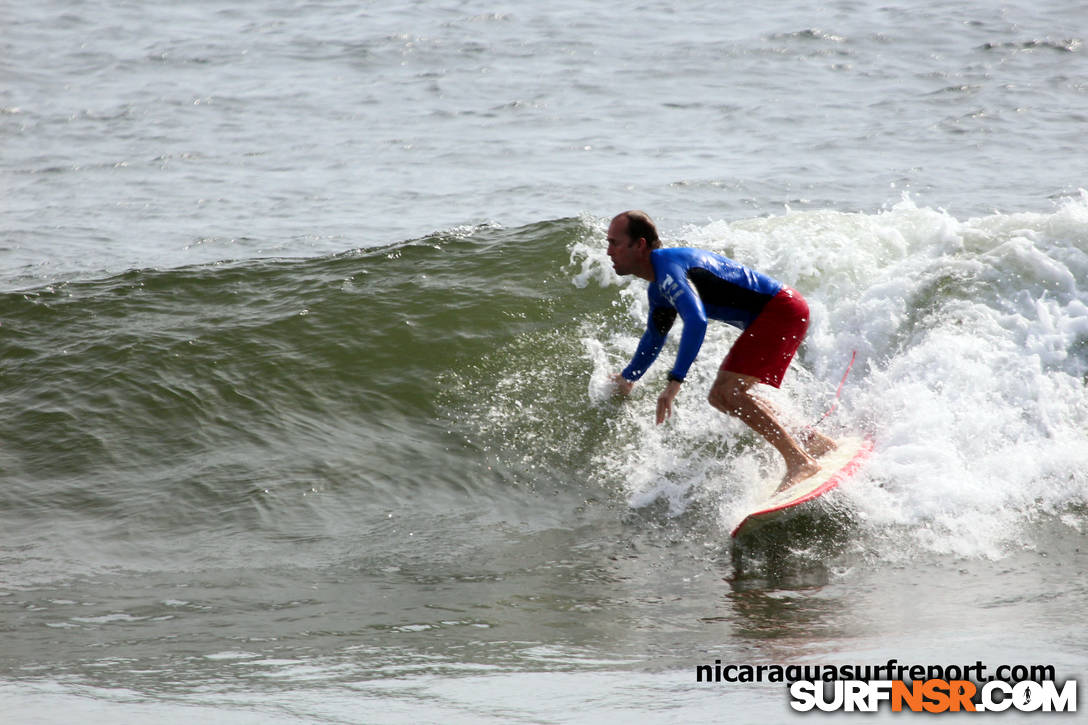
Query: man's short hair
point(640, 225)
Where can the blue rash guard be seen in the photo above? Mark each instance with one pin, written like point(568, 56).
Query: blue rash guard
point(698, 285)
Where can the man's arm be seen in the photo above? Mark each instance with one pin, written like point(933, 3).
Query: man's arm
point(657, 329)
point(690, 308)
point(687, 303)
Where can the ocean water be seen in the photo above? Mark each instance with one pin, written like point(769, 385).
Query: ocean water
point(306, 325)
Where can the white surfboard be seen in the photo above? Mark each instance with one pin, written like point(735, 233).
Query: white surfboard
point(836, 466)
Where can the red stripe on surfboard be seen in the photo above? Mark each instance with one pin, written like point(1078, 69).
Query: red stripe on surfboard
point(841, 475)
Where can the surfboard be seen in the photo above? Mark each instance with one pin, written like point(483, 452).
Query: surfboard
point(836, 466)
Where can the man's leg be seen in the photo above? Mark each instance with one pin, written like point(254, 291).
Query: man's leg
point(732, 394)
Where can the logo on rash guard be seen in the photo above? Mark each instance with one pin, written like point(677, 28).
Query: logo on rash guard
point(670, 288)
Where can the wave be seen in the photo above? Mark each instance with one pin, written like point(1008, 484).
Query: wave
point(972, 343)
point(472, 365)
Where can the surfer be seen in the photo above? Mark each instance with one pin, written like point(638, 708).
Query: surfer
point(697, 285)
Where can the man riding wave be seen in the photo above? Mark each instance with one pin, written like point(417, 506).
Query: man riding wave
point(698, 286)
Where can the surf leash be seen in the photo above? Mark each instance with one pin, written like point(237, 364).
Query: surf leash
point(835, 402)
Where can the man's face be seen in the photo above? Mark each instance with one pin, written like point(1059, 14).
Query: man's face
point(620, 249)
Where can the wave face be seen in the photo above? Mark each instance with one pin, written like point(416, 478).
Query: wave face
point(197, 401)
point(215, 401)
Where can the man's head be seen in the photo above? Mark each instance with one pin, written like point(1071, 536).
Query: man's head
point(631, 236)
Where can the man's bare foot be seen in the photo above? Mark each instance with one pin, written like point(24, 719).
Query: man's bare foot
point(798, 474)
point(815, 443)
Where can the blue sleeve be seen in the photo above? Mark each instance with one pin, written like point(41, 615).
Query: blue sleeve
point(648, 348)
point(674, 295)
point(657, 329)
point(687, 303)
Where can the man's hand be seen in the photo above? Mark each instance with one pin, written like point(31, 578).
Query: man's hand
point(664, 401)
point(623, 385)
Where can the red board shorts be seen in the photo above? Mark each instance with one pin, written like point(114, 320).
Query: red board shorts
point(766, 347)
